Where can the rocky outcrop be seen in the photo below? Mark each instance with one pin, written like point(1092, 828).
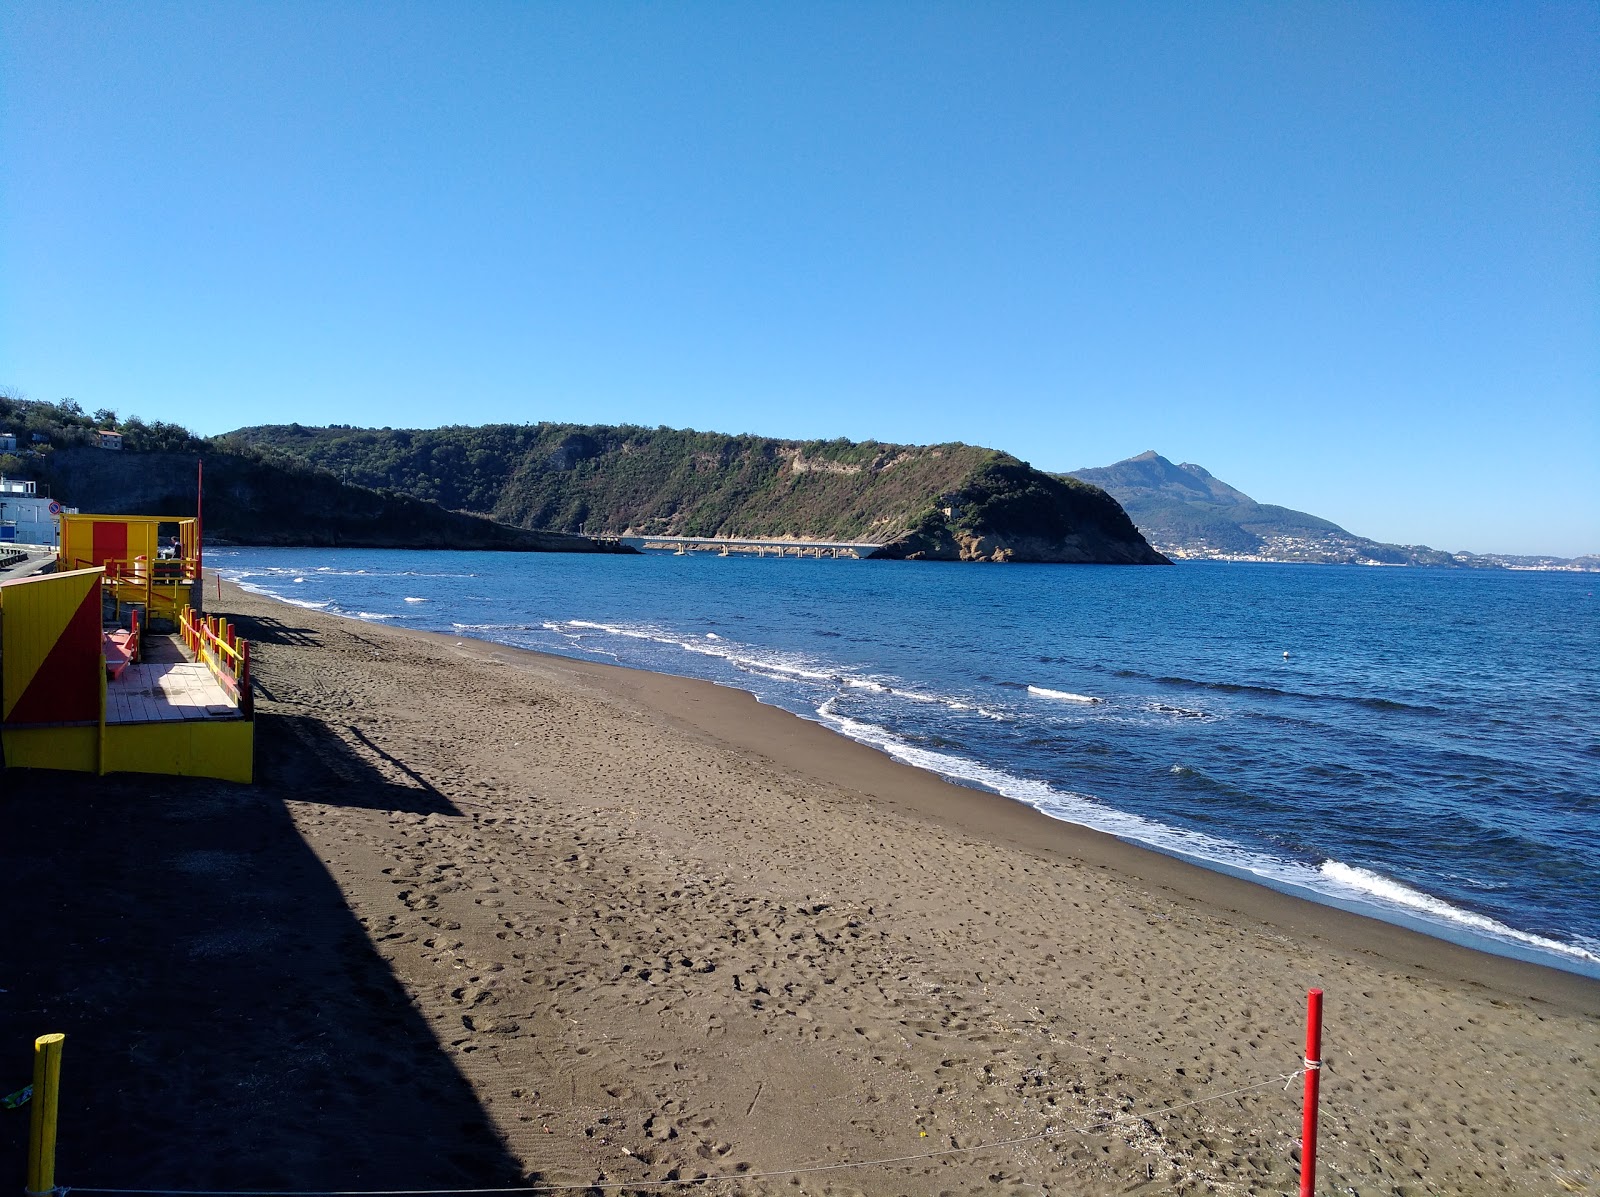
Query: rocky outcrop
point(1008, 511)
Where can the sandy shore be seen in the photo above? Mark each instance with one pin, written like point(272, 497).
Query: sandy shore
point(492, 918)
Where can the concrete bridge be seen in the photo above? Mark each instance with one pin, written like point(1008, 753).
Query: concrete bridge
point(726, 546)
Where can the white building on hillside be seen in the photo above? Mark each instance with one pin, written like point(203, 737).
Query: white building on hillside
point(26, 517)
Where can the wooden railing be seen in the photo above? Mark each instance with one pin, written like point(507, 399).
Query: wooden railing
point(213, 640)
point(136, 580)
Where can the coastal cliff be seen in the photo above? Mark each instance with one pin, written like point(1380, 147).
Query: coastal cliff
point(252, 501)
point(949, 502)
point(1007, 511)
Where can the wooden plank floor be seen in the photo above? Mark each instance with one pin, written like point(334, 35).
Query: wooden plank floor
point(165, 692)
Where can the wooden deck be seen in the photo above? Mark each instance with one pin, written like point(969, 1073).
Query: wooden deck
point(167, 692)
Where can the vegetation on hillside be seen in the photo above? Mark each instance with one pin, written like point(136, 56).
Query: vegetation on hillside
point(43, 428)
point(338, 484)
point(251, 496)
point(935, 500)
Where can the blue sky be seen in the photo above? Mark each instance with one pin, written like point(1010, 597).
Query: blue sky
point(1346, 256)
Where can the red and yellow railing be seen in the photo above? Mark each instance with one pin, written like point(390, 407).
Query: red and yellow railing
point(135, 581)
point(214, 640)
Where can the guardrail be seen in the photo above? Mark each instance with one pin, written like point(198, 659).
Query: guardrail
point(213, 640)
point(155, 584)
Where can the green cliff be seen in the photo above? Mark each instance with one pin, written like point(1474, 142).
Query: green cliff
point(249, 498)
point(940, 502)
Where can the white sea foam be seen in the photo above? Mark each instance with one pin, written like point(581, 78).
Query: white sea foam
point(614, 629)
point(769, 663)
point(1370, 885)
point(1331, 880)
point(1061, 804)
point(1064, 695)
point(374, 615)
point(409, 599)
point(299, 579)
point(744, 657)
point(253, 588)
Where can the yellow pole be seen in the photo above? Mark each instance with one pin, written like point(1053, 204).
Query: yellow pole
point(46, 1095)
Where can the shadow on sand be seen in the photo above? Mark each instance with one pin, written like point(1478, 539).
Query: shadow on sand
point(229, 1023)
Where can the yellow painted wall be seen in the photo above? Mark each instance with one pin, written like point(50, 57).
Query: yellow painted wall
point(33, 614)
point(223, 749)
point(72, 748)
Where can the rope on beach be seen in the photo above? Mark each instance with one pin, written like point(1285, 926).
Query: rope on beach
point(1096, 1126)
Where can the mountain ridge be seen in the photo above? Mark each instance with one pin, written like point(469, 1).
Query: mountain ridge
point(949, 502)
point(1186, 512)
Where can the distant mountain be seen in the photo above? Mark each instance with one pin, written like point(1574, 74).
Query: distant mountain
point(948, 502)
point(1186, 512)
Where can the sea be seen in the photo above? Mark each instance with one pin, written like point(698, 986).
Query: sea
point(1419, 745)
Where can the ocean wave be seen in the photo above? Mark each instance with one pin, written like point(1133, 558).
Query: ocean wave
point(409, 599)
point(375, 615)
point(922, 697)
point(1064, 695)
point(1065, 805)
point(776, 665)
point(1331, 879)
point(740, 657)
point(1389, 892)
point(267, 592)
point(1360, 700)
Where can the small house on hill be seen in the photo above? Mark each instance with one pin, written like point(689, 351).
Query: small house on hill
point(108, 439)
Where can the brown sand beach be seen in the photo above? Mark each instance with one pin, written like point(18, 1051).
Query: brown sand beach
point(491, 918)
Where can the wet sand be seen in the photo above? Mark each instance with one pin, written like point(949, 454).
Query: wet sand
point(490, 916)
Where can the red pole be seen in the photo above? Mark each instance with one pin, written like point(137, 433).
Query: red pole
point(199, 522)
point(1308, 1120)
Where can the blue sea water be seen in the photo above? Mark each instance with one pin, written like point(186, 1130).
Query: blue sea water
point(1420, 745)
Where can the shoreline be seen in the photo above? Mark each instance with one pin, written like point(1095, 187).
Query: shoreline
point(792, 743)
point(1284, 906)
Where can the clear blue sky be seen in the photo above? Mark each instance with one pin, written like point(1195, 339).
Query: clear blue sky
point(1346, 256)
